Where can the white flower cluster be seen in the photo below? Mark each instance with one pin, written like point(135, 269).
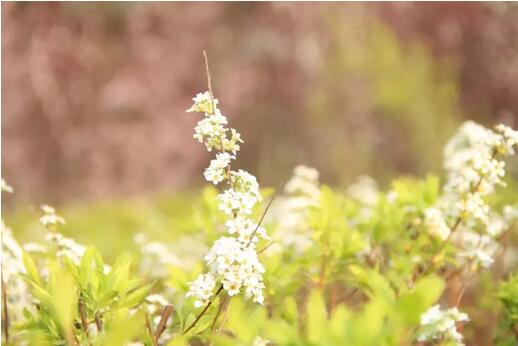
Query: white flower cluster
point(259, 341)
point(211, 129)
point(202, 289)
point(436, 224)
point(233, 262)
point(474, 170)
point(237, 266)
point(18, 297)
point(66, 247)
point(215, 173)
point(50, 218)
point(290, 213)
point(157, 257)
point(437, 324)
point(5, 187)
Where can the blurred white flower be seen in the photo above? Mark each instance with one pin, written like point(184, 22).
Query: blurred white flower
point(437, 324)
point(215, 173)
point(5, 187)
point(203, 103)
point(435, 223)
point(50, 218)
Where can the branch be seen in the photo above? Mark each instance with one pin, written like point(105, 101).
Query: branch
point(150, 331)
point(264, 213)
point(204, 310)
point(164, 316)
point(5, 311)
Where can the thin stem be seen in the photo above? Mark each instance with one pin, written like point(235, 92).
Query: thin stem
point(209, 84)
point(204, 310)
point(82, 315)
point(150, 331)
point(98, 322)
point(263, 215)
point(84, 320)
point(265, 248)
point(5, 311)
point(164, 316)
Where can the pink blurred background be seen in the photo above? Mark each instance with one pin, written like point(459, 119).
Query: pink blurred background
point(94, 94)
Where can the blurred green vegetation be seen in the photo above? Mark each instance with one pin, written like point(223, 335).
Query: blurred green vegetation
point(111, 225)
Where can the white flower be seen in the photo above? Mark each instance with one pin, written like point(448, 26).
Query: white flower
point(66, 247)
point(203, 103)
point(232, 202)
point(510, 213)
point(247, 231)
point(480, 257)
point(5, 187)
point(259, 341)
point(245, 182)
point(232, 261)
point(13, 270)
point(304, 182)
point(437, 324)
point(508, 141)
point(237, 266)
point(215, 173)
point(474, 206)
point(211, 130)
point(50, 218)
point(435, 223)
point(202, 289)
point(365, 190)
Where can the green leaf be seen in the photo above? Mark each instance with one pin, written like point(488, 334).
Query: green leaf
point(30, 267)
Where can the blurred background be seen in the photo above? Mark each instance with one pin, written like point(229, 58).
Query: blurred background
point(94, 94)
point(94, 98)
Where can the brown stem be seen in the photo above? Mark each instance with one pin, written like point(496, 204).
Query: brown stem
point(164, 316)
point(98, 322)
point(265, 248)
point(150, 331)
point(5, 311)
point(209, 84)
point(204, 310)
point(263, 215)
point(82, 315)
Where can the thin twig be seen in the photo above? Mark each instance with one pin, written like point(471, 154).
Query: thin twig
point(98, 322)
point(5, 311)
point(264, 214)
point(265, 248)
point(204, 310)
point(209, 83)
point(150, 331)
point(164, 316)
point(464, 287)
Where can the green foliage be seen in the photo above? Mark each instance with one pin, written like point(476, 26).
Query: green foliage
point(367, 278)
point(76, 302)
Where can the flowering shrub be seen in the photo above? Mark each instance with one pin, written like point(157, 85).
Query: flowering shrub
point(354, 267)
